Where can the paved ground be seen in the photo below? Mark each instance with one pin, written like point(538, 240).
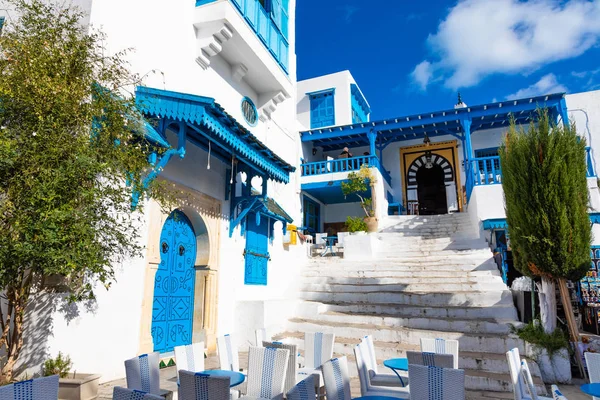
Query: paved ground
point(169, 382)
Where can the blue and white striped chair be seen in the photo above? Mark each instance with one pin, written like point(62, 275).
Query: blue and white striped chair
point(434, 383)
point(303, 390)
point(45, 388)
point(199, 386)
point(441, 346)
point(361, 353)
point(378, 378)
point(142, 373)
point(556, 394)
point(318, 348)
point(523, 387)
point(291, 373)
point(266, 373)
point(120, 393)
point(190, 357)
point(337, 380)
point(430, 359)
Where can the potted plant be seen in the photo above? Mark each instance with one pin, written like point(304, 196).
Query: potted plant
point(357, 184)
point(356, 225)
point(71, 386)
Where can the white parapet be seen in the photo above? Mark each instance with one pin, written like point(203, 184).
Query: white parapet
point(360, 246)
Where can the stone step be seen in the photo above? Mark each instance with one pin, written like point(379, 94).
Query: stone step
point(420, 286)
point(392, 263)
point(407, 278)
point(400, 275)
point(475, 342)
point(505, 312)
point(410, 252)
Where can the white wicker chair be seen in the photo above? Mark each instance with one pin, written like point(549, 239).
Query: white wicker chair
point(121, 393)
point(190, 357)
point(229, 359)
point(430, 359)
point(361, 354)
point(142, 373)
point(45, 388)
point(592, 361)
point(199, 386)
point(261, 336)
point(433, 383)
point(337, 379)
point(523, 387)
point(266, 373)
point(556, 394)
point(441, 346)
point(291, 373)
point(303, 390)
point(377, 378)
point(318, 348)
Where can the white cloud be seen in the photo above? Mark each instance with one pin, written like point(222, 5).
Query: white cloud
point(422, 74)
point(546, 85)
point(480, 38)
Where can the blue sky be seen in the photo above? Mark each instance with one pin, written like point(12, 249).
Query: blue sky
point(414, 56)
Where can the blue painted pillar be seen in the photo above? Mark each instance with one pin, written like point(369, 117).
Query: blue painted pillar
point(562, 110)
point(466, 125)
point(181, 140)
point(264, 186)
point(372, 139)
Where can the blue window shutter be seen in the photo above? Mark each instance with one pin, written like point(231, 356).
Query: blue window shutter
point(322, 110)
point(276, 12)
point(257, 250)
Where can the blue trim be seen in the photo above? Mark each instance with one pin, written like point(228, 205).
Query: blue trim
point(203, 2)
point(595, 218)
point(306, 215)
point(359, 107)
point(497, 223)
point(249, 100)
point(321, 92)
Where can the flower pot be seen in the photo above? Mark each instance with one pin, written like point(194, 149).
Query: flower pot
point(371, 224)
point(79, 387)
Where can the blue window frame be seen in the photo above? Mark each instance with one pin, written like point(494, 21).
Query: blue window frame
point(489, 152)
point(312, 215)
point(322, 110)
point(360, 108)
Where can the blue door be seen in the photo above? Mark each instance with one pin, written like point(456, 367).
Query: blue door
point(173, 304)
point(257, 252)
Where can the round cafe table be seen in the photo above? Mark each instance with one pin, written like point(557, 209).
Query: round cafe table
point(593, 389)
point(397, 364)
point(235, 377)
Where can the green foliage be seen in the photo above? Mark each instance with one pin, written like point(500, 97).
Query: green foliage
point(534, 334)
point(357, 184)
point(65, 207)
point(356, 224)
point(61, 365)
point(546, 195)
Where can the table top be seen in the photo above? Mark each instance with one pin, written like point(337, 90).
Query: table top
point(375, 398)
point(397, 363)
point(235, 377)
point(593, 389)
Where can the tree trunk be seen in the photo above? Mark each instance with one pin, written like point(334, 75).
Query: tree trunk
point(12, 337)
point(571, 323)
point(374, 200)
point(547, 294)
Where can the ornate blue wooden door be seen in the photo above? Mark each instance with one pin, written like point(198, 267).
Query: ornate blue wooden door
point(256, 253)
point(173, 305)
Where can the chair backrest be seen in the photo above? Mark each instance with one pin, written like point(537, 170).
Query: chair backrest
point(199, 386)
point(292, 365)
point(142, 373)
point(303, 390)
point(341, 236)
point(441, 346)
point(121, 393)
point(261, 336)
point(556, 394)
point(320, 238)
point(434, 383)
point(190, 357)
point(592, 361)
point(371, 360)
point(528, 380)
point(229, 359)
point(514, 364)
point(361, 356)
point(318, 348)
point(336, 379)
point(266, 371)
point(45, 388)
point(430, 359)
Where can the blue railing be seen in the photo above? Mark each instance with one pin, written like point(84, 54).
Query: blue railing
point(266, 30)
point(590, 164)
point(343, 165)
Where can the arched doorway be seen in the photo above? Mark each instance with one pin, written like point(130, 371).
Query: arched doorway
point(173, 303)
point(431, 190)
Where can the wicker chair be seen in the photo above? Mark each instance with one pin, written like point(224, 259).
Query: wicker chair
point(318, 348)
point(377, 378)
point(45, 388)
point(190, 357)
point(523, 387)
point(303, 390)
point(120, 393)
point(291, 373)
point(336, 378)
point(266, 373)
point(261, 336)
point(592, 361)
point(434, 383)
point(361, 353)
point(430, 359)
point(199, 386)
point(142, 373)
point(441, 346)
point(229, 359)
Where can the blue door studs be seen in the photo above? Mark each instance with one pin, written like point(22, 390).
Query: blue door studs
point(173, 304)
point(257, 251)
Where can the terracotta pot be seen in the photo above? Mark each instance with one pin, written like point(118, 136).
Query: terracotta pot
point(80, 387)
point(371, 224)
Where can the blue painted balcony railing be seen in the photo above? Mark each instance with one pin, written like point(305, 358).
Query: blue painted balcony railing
point(343, 165)
point(261, 23)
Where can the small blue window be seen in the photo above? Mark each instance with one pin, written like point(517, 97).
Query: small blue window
point(322, 110)
point(249, 111)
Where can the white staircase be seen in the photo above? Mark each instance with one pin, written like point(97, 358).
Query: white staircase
point(432, 277)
